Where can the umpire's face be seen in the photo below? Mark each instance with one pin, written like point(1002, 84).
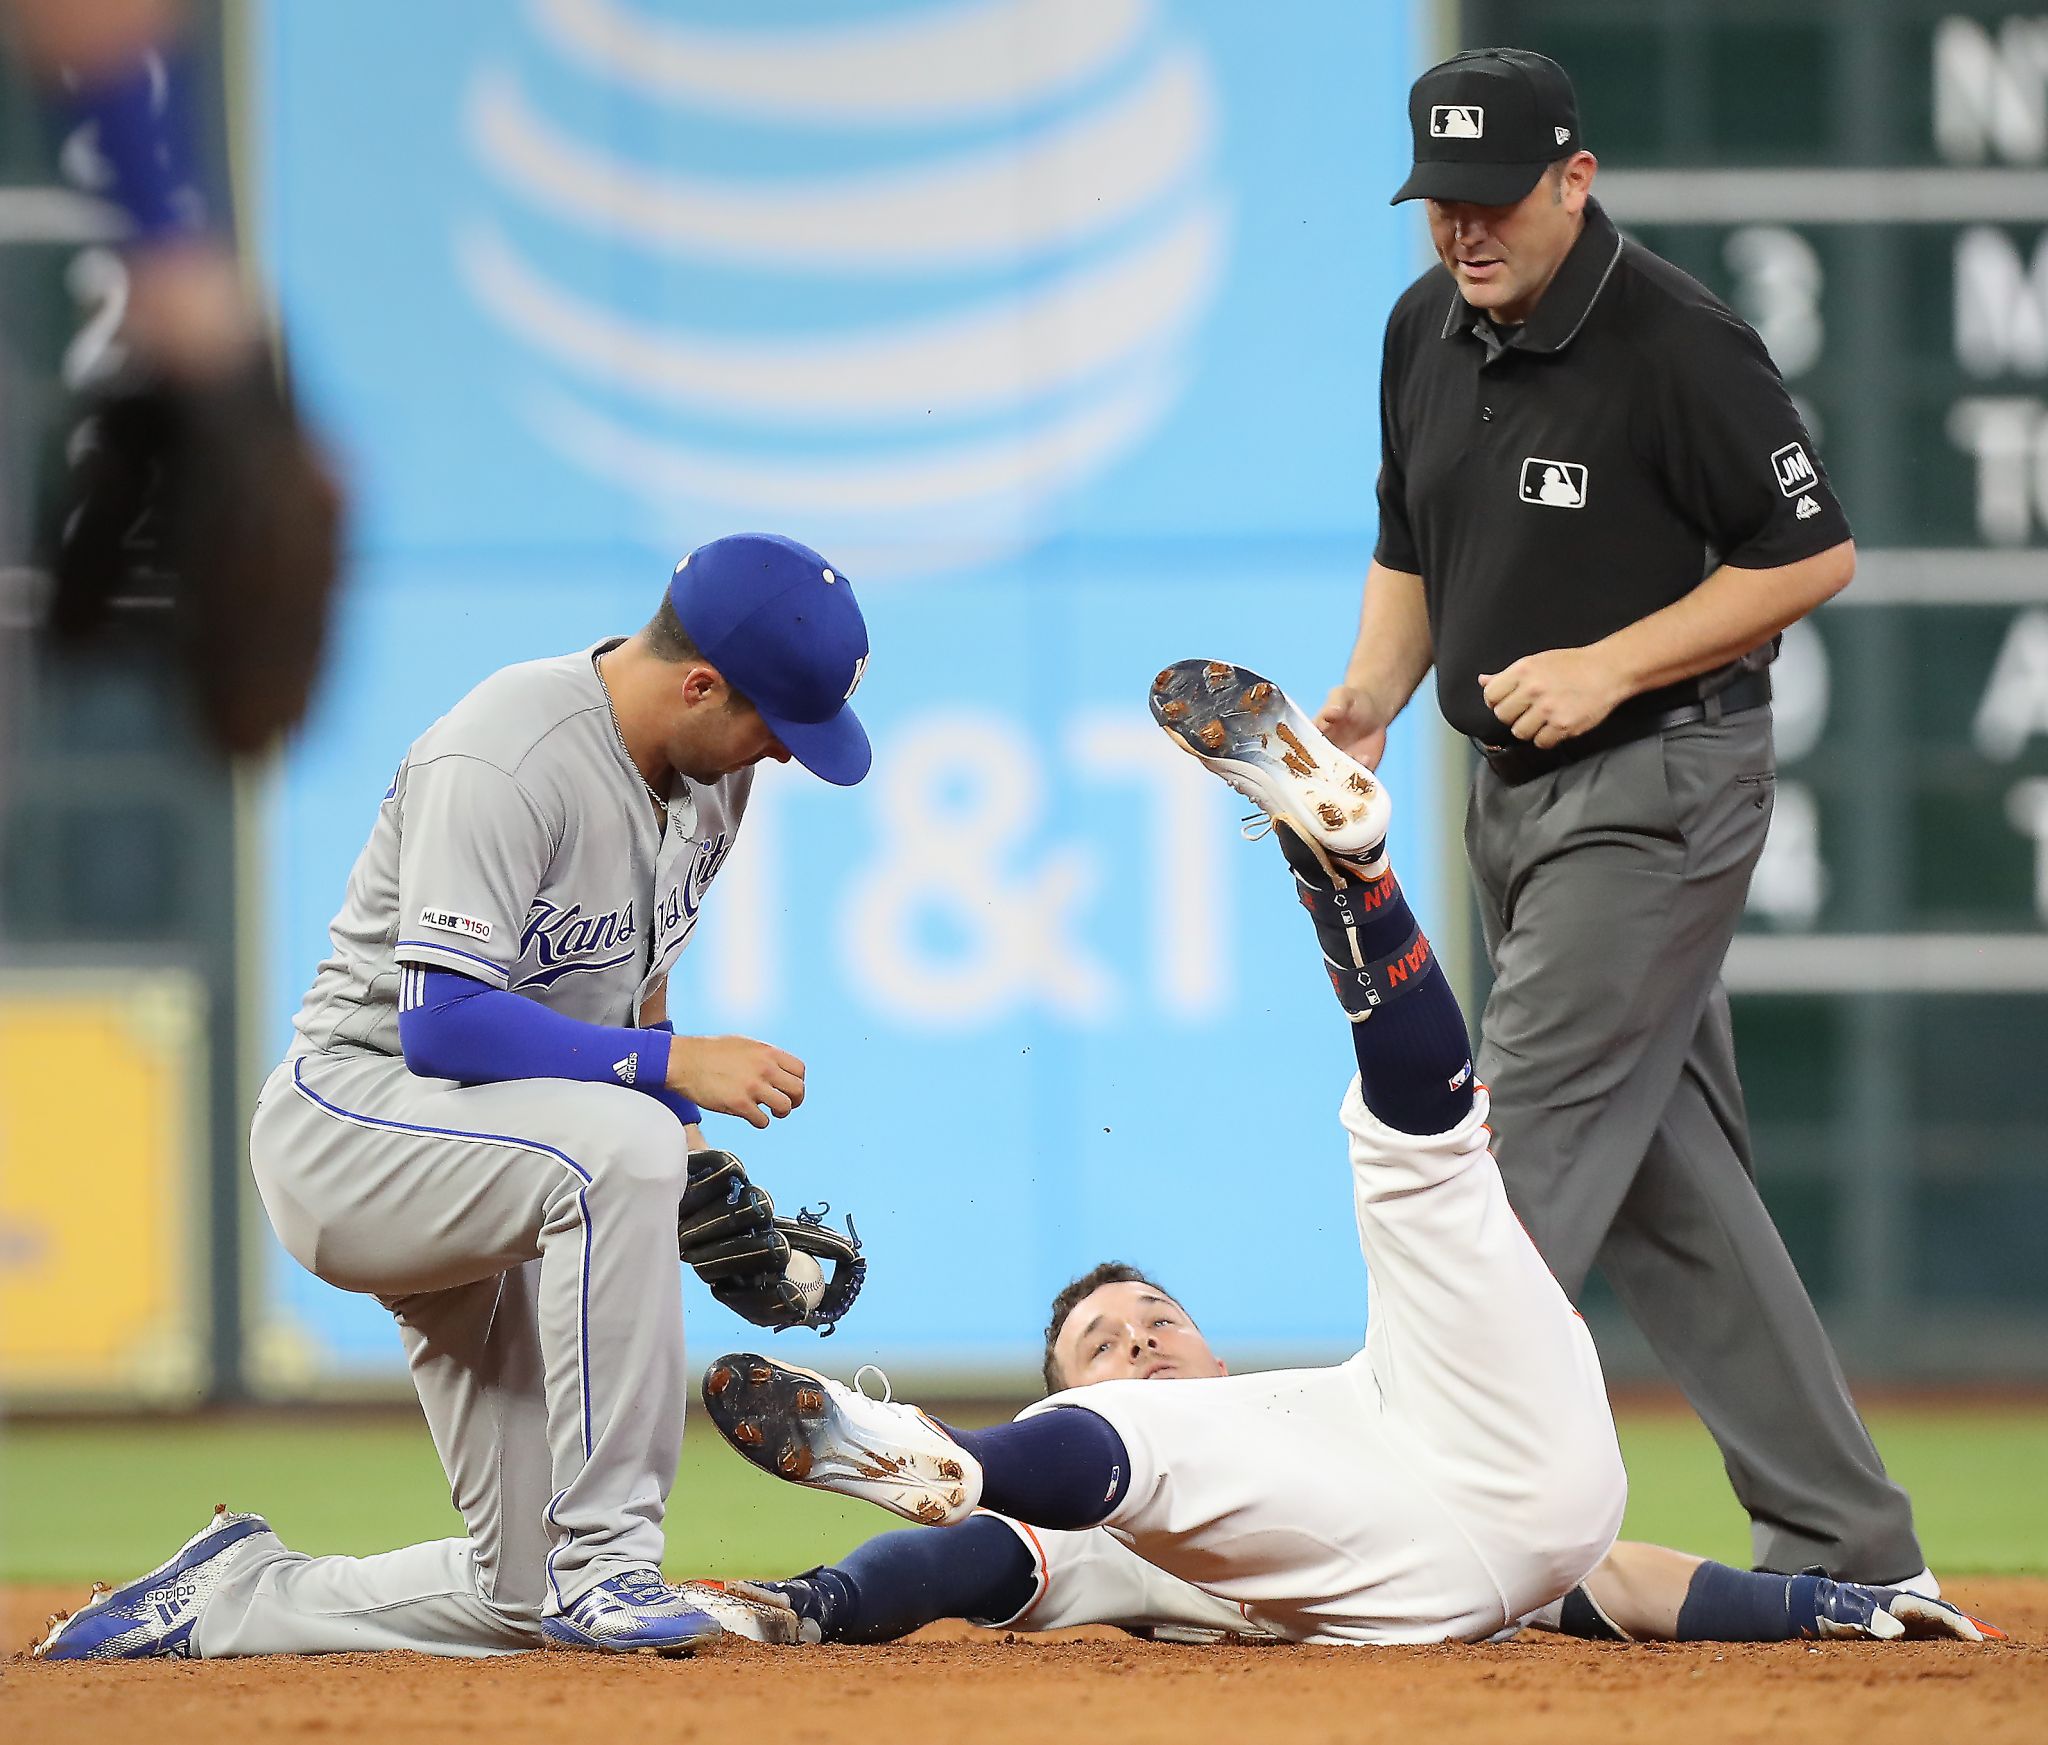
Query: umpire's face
point(1504, 257)
point(1131, 1332)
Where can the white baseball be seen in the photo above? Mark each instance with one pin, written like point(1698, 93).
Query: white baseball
point(809, 1278)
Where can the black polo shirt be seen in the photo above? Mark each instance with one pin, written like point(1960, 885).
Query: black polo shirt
point(1556, 481)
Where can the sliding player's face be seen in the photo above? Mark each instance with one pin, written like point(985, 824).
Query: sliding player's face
point(1131, 1332)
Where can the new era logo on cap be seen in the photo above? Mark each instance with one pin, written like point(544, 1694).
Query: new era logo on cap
point(1457, 121)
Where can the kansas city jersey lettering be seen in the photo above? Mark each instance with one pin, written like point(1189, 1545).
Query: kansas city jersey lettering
point(566, 941)
point(675, 916)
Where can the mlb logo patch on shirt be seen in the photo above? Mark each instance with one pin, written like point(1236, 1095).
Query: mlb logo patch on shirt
point(1795, 472)
point(1553, 484)
point(1457, 121)
point(448, 921)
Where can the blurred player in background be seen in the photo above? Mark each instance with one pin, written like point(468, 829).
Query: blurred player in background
point(198, 510)
point(1457, 1478)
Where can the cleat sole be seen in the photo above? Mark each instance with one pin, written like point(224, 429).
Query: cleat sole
point(782, 1421)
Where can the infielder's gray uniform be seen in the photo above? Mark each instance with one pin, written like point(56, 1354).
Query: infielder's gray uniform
point(523, 1233)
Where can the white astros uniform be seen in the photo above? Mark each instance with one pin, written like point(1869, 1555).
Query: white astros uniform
point(1457, 1475)
point(522, 1233)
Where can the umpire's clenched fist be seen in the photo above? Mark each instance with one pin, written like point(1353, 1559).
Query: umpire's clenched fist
point(1547, 698)
point(735, 1075)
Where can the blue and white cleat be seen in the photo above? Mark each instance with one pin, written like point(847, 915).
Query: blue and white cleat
point(633, 1613)
point(153, 1615)
point(1252, 734)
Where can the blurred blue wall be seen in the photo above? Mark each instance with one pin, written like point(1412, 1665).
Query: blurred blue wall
point(1056, 325)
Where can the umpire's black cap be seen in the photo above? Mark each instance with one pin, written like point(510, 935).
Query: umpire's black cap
point(1487, 124)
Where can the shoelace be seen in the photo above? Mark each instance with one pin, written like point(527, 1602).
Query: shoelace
point(887, 1394)
point(1256, 826)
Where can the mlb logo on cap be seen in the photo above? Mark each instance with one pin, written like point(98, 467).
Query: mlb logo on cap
point(1486, 124)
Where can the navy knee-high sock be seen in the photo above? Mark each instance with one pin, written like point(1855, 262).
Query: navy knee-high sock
point(1414, 1055)
point(901, 1582)
point(1064, 1469)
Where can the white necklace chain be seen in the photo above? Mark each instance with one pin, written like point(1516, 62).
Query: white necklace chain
point(612, 709)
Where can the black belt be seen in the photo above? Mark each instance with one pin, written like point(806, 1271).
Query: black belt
point(1636, 719)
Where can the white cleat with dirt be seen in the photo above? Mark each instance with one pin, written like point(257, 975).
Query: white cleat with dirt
point(798, 1425)
point(1252, 734)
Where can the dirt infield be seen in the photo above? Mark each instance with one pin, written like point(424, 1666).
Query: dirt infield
point(989, 1688)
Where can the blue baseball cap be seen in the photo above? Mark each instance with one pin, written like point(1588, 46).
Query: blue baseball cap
point(783, 627)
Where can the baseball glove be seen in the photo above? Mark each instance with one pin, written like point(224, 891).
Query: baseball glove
point(727, 1230)
point(200, 517)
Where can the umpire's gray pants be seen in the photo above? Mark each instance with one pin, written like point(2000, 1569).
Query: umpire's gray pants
point(1609, 890)
point(524, 1235)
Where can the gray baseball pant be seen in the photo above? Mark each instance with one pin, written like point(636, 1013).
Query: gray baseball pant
point(524, 1236)
point(1609, 891)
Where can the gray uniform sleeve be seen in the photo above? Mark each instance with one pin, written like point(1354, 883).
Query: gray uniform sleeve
point(473, 848)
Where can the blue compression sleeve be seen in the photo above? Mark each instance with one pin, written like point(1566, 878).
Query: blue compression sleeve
point(980, 1570)
point(454, 1027)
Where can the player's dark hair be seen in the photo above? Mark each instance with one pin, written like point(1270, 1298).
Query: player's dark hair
point(1110, 1272)
point(668, 640)
point(666, 637)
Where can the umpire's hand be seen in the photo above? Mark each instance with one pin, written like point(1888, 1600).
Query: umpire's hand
point(735, 1075)
point(1352, 720)
point(1557, 695)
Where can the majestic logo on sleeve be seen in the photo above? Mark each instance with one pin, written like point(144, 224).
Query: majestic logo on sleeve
point(1554, 484)
point(566, 941)
point(1795, 472)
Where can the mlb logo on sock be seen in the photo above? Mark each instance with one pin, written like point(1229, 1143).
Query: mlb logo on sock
point(1795, 472)
point(1457, 121)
